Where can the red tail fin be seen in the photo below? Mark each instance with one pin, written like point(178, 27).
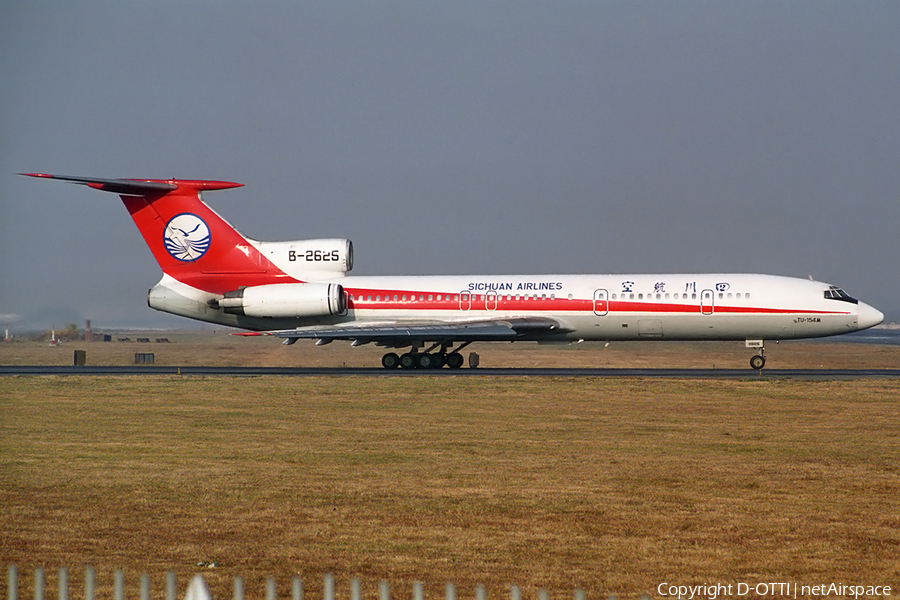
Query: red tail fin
point(189, 240)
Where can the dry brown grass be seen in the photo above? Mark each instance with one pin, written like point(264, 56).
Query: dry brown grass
point(612, 485)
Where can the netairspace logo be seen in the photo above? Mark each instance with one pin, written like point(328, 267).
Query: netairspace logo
point(720, 591)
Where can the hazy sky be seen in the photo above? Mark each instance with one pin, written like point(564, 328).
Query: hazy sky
point(455, 138)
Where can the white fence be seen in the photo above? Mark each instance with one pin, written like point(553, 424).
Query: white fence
point(328, 588)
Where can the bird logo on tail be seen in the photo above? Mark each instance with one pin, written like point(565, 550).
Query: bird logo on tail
point(187, 237)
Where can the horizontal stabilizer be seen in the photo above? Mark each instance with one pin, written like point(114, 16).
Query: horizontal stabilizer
point(140, 187)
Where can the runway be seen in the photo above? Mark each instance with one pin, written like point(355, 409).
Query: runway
point(810, 374)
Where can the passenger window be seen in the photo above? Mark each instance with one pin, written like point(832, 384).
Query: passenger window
point(430, 297)
point(395, 297)
point(439, 297)
point(377, 298)
point(747, 296)
point(720, 295)
point(729, 295)
point(404, 297)
point(667, 296)
point(631, 296)
point(738, 295)
point(640, 296)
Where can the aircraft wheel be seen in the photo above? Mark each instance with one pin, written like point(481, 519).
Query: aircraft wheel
point(757, 362)
point(408, 360)
point(390, 361)
point(455, 360)
point(440, 359)
point(426, 361)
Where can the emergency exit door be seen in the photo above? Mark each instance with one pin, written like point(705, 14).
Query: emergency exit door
point(601, 302)
point(707, 302)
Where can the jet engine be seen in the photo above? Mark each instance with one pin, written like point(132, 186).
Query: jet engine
point(285, 300)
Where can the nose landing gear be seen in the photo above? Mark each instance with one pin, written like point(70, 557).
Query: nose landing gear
point(759, 361)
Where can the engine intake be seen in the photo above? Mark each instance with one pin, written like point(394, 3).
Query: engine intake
point(286, 300)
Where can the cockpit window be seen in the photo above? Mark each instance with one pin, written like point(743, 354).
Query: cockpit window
point(835, 293)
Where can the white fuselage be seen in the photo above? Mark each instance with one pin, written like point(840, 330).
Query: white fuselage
point(589, 307)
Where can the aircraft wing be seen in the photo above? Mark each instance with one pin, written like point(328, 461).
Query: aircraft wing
point(399, 334)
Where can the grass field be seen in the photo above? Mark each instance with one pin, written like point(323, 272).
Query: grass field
point(209, 349)
point(611, 485)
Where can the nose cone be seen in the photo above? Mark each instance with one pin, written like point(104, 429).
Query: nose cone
point(868, 316)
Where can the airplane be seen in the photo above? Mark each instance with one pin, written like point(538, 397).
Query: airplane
point(300, 290)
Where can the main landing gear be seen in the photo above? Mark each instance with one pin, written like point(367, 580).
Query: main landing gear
point(425, 360)
point(422, 360)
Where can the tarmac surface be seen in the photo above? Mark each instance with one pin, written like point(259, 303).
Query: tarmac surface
point(480, 372)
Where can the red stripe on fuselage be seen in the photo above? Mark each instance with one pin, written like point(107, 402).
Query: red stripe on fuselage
point(481, 302)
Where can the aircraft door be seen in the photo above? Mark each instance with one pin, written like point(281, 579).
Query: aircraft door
point(490, 301)
point(601, 302)
point(465, 301)
point(707, 303)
